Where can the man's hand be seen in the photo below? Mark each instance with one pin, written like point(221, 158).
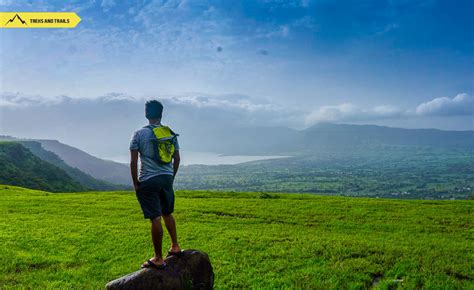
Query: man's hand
point(133, 168)
point(176, 160)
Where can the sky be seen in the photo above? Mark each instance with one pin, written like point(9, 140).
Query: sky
point(269, 63)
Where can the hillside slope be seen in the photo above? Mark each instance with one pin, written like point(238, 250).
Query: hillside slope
point(254, 241)
point(83, 178)
point(113, 173)
point(327, 136)
point(18, 166)
point(109, 171)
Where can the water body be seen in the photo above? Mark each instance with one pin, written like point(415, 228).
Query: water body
point(206, 158)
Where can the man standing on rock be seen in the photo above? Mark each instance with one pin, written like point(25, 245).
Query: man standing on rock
point(158, 148)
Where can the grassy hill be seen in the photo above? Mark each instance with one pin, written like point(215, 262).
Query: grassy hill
point(109, 171)
point(83, 178)
point(70, 158)
point(18, 166)
point(254, 240)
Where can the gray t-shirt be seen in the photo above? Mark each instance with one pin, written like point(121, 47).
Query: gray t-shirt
point(141, 141)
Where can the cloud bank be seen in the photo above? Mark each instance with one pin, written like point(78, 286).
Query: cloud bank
point(117, 115)
point(351, 112)
point(252, 111)
point(462, 104)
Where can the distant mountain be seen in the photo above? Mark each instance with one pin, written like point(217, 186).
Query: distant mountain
point(20, 167)
point(106, 170)
point(92, 172)
point(343, 136)
point(325, 138)
point(84, 179)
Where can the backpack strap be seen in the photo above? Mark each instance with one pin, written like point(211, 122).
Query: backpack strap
point(174, 135)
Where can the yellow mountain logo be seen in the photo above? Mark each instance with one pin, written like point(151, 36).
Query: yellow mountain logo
point(18, 18)
point(39, 19)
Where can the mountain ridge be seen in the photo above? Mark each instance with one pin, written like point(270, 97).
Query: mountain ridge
point(326, 136)
point(322, 139)
point(84, 179)
point(328, 124)
point(107, 170)
point(108, 174)
point(20, 167)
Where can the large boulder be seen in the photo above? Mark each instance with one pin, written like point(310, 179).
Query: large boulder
point(191, 270)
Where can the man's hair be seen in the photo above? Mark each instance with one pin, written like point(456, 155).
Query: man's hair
point(153, 109)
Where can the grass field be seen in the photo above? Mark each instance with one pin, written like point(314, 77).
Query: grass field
point(254, 240)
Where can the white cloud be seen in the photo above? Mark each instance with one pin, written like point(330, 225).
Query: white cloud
point(237, 102)
point(247, 110)
point(349, 112)
point(221, 108)
point(241, 102)
point(8, 99)
point(110, 97)
point(462, 104)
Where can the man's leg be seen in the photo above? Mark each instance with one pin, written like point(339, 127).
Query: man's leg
point(157, 238)
point(171, 227)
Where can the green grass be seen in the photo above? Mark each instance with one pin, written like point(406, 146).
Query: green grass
point(254, 240)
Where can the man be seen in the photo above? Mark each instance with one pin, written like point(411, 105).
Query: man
point(154, 185)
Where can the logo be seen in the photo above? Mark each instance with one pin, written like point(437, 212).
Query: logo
point(16, 17)
point(39, 19)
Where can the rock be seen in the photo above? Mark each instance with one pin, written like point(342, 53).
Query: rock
point(192, 270)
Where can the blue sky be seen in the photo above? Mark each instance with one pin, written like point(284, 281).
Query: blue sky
point(291, 63)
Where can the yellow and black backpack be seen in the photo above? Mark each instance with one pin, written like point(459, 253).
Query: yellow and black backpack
point(163, 143)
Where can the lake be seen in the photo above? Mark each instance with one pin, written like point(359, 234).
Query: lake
point(206, 158)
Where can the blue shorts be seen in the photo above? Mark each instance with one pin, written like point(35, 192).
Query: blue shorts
point(156, 196)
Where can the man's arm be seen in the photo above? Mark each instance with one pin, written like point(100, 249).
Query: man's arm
point(134, 167)
point(176, 160)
